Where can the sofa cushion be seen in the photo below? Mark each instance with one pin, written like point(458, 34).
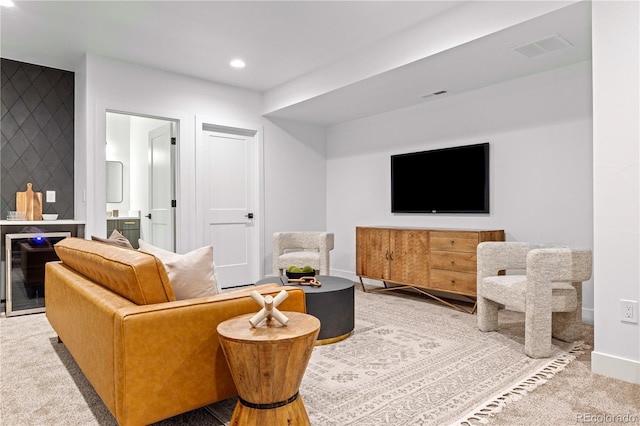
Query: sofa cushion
point(116, 238)
point(191, 275)
point(135, 275)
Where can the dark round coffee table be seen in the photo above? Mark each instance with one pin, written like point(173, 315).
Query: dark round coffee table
point(331, 303)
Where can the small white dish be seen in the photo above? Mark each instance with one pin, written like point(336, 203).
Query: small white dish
point(49, 216)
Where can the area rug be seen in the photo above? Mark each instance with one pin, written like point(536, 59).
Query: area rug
point(410, 361)
point(413, 362)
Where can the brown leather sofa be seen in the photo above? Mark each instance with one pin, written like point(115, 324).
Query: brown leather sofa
point(148, 356)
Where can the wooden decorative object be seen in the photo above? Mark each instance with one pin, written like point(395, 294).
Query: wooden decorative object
point(312, 281)
point(269, 305)
point(29, 203)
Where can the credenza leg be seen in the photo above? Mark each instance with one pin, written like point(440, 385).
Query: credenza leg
point(364, 289)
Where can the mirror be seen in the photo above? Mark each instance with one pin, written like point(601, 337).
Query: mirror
point(114, 181)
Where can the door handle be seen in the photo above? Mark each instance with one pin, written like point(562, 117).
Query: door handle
point(249, 215)
point(148, 216)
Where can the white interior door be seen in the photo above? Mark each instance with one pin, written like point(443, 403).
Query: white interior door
point(228, 188)
point(161, 187)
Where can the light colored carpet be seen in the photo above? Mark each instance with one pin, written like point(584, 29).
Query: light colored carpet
point(415, 363)
point(410, 361)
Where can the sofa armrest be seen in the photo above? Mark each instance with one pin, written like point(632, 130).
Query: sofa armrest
point(168, 358)
point(81, 313)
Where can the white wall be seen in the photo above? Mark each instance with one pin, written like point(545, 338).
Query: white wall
point(540, 134)
point(109, 85)
point(117, 149)
point(616, 87)
point(295, 191)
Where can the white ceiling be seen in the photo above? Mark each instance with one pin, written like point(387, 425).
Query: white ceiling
point(282, 41)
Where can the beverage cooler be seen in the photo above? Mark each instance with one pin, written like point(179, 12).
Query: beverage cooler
point(26, 256)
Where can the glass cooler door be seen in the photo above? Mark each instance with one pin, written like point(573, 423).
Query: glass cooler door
point(26, 257)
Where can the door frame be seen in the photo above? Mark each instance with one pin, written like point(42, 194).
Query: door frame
point(228, 126)
point(96, 224)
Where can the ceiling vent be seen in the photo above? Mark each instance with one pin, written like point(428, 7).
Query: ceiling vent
point(438, 93)
point(546, 45)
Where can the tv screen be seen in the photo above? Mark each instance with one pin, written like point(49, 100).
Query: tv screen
point(449, 180)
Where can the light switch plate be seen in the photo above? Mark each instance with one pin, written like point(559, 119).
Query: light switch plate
point(51, 196)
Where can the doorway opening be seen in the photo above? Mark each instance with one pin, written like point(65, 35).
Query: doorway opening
point(146, 148)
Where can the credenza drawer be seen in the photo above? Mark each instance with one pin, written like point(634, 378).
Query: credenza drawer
point(454, 261)
point(453, 282)
point(453, 241)
point(126, 224)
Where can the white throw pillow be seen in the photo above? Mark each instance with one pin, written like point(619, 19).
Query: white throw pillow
point(191, 274)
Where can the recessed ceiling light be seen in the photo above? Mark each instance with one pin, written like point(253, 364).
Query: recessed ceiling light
point(6, 3)
point(238, 63)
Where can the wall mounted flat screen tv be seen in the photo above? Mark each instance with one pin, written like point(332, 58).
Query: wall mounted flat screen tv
point(449, 180)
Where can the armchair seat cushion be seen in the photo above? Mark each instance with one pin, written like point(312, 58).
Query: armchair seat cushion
point(300, 258)
point(511, 290)
point(508, 290)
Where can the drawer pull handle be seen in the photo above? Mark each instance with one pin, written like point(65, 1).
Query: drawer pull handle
point(452, 261)
point(453, 281)
point(129, 223)
point(452, 241)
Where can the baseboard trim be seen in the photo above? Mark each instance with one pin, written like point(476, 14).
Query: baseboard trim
point(615, 367)
point(587, 316)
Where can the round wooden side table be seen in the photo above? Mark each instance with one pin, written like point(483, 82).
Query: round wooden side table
point(267, 364)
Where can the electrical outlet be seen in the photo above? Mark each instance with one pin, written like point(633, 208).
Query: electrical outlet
point(51, 196)
point(629, 311)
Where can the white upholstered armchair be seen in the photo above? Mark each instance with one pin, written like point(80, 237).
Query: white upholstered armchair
point(548, 291)
point(300, 249)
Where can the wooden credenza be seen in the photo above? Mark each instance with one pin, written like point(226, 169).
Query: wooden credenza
point(441, 260)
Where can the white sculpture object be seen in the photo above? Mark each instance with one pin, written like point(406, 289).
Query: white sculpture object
point(269, 308)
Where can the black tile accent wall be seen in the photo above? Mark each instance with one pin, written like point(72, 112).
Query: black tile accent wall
point(37, 135)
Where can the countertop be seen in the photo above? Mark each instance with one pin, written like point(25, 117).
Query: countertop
point(41, 222)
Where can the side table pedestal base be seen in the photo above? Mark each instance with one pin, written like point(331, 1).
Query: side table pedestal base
point(293, 413)
point(267, 364)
